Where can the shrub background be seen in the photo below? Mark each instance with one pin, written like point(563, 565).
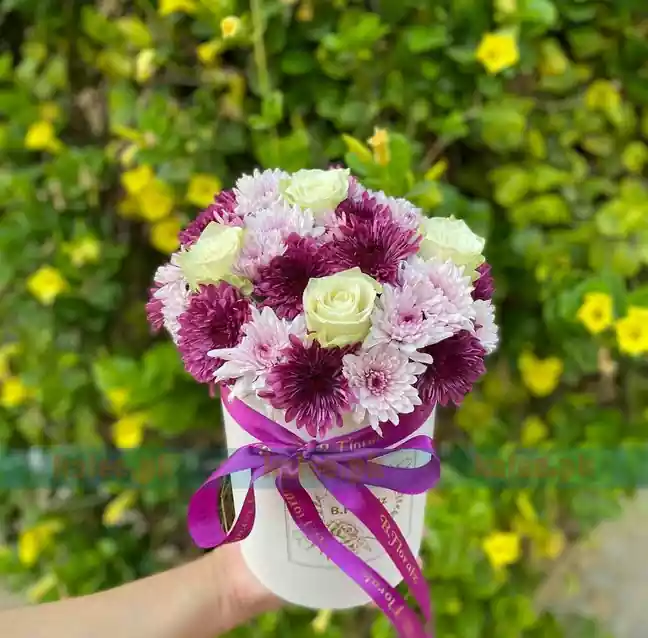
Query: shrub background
point(119, 120)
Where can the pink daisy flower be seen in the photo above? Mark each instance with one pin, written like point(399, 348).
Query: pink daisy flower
point(310, 387)
point(402, 212)
point(382, 382)
point(214, 319)
point(266, 338)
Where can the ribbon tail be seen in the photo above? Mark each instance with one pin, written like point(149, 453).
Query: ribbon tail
point(307, 518)
point(368, 509)
point(203, 519)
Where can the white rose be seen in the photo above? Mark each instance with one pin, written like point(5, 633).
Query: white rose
point(338, 307)
point(317, 190)
point(450, 238)
point(211, 258)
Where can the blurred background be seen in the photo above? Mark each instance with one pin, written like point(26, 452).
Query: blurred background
point(119, 120)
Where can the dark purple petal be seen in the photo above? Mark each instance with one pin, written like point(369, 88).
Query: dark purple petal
point(281, 283)
point(223, 210)
point(310, 386)
point(213, 319)
point(377, 246)
point(458, 362)
point(484, 287)
point(154, 311)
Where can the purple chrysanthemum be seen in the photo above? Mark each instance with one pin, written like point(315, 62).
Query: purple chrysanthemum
point(222, 211)
point(362, 207)
point(457, 362)
point(376, 246)
point(310, 386)
point(282, 282)
point(484, 287)
point(213, 319)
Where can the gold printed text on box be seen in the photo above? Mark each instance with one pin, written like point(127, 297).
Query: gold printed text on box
point(344, 526)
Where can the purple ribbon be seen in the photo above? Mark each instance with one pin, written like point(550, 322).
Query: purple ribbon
point(345, 466)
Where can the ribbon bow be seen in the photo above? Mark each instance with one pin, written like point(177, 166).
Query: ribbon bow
point(345, 465)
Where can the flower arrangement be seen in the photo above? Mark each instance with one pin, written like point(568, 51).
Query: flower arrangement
point(326, 299)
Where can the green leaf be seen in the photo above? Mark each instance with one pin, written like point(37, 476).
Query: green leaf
point(426, 38)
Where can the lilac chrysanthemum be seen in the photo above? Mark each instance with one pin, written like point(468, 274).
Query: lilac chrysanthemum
point(377, 246)
point(485, 327)
point(382, 383)
point(310, 387)
point(282, 282)
point(221, 211)
point(258, 191)
point(484, 287)
point(214, 319)
point(259, 249)
point(282, 217)
point(457, 362)
point(266, 338)
point(428, 278)
point(168, 299)
point(400, 318)
point(402, 211)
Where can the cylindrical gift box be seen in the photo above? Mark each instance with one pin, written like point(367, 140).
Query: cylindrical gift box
point(283, 559)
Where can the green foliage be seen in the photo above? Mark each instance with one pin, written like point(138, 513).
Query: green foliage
point(112, 114)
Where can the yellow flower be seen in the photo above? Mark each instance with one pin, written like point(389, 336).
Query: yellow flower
point(322, 621)
point(32, 542)
point(41, 136)
point(603, 95)
point(14, 393)
point(498, 51)
point(167, 7)
point(379, 142)
point(502, 548)
point(118, 397)
point(128, 432)
point(540, 376)
point(115, 510)
point(202, 189)
point(155, 201)
point(632, 331)
point(230, 26)
point(597, 312)
point(207, 51)
point(164, 235)
point(46, 284)
point(137, 179)
point(534, 430)
point(85, 250)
